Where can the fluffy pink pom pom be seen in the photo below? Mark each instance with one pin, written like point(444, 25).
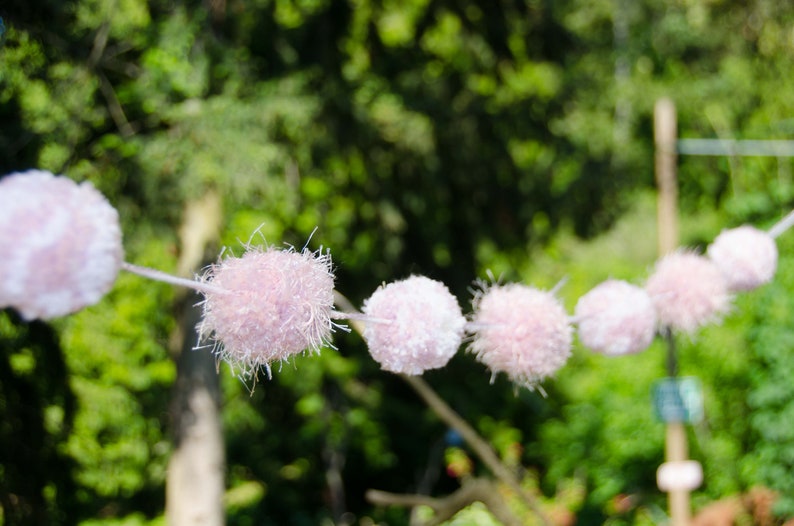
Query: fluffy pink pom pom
point(746, 256)
point(616, 318)
point(417, 325)
point(688, 291)
point(520, 331)
point(60, 242)
point(268, 305)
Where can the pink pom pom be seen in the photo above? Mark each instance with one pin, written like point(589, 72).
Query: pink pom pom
point(746, 256)
point(688, 291)
point(520, 331)
point(616, 318)
point(61, 244)
point(416, 325)
point(269, 305)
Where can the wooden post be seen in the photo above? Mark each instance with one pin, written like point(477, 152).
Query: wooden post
point(664, 130)
point(665, 137)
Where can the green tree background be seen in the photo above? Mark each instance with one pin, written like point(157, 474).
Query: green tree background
point(437, 137)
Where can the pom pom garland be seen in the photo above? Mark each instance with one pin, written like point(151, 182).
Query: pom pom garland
point(268, 305)
point(616, 318)
point(61, 244)
point(688, 291)
point(418, 325)
point(62, 251)
point(520, 331)
point(746, 256)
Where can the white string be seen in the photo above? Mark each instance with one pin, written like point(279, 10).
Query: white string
point(157, 275)
point(782, 225)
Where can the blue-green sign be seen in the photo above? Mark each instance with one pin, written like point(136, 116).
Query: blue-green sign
point(678, 399)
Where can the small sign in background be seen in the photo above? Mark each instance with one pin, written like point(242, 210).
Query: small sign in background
point(678, 399)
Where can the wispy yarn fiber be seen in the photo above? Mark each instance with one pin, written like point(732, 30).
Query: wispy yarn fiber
point(60, 244)
point(269, 305)
point(416, 324)
point(520, 331)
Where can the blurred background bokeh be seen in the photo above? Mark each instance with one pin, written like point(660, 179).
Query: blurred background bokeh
point(449, 138)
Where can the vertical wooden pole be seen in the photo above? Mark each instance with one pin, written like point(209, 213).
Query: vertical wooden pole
point(665, 136)
point(676, 450)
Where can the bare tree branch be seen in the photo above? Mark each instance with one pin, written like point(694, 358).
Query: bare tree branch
point(114, 106)
point(94, 60)
point(473, 490)
point(479, 446)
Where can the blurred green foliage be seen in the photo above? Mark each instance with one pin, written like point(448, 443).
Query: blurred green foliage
point(442, 137)
point(769, 400)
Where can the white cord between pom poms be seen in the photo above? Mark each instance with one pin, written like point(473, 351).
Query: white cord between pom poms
point(782, 225)
point(164, 277)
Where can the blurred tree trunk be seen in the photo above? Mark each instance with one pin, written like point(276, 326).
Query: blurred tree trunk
point(195, 483)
